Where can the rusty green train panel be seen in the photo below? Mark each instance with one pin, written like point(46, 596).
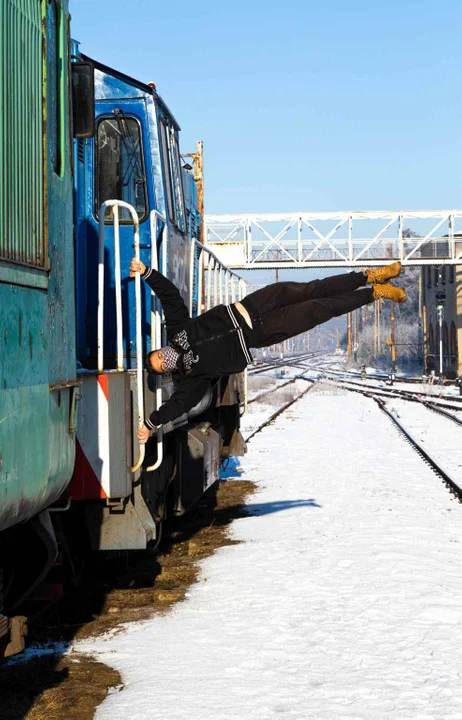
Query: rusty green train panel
point(21, 166)
point(36, 445)
point(37, 315)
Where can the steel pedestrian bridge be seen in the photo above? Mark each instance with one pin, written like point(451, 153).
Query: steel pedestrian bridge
point(335, 239)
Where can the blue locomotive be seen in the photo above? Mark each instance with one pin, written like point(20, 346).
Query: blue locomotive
point(73, 326)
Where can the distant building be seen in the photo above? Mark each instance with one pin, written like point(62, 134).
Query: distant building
point(443, 281)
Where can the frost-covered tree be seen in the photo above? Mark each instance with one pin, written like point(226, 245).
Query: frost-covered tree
point(408, 334)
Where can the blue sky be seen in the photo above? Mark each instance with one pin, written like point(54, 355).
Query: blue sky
point(301, 106)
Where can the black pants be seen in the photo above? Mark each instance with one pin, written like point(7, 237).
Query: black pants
point(285, 309)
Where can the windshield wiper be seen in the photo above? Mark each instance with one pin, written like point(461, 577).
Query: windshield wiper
point(135, 164)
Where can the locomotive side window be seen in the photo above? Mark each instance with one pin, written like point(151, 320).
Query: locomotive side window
point(172, 170)
point(167, 173)
point(176, 178)
point(120, 171)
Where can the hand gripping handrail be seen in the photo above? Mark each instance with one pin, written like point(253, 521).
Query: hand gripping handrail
point(156, 325)
point(116, 204)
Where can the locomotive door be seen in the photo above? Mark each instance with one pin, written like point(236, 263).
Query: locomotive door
point(121, 172)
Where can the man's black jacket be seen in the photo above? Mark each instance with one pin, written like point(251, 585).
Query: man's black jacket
point(210, 345)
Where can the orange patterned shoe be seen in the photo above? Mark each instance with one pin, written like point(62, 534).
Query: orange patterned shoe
point(383, 274)
point(389, 292)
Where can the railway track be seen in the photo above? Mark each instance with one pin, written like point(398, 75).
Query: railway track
point(450, 474)
point(283, 407)
point(272, 390)
point(383, 377)
point(436, 405)
point(447, 475)
point(290, 362)
point(412, 430)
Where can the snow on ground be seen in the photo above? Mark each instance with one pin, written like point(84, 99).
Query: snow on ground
point(266, 382)
point(440, 437)
point(262, 408)
point(438, 391)
point(342, 601)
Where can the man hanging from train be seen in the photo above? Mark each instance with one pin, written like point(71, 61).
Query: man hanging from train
point(217, 343)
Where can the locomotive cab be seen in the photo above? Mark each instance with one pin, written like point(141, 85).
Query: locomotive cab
point(134, 158)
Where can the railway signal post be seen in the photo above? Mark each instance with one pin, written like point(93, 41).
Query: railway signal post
point(441, 301)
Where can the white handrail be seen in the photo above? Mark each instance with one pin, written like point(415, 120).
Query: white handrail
point(164, 270)
point(192, 257)
point(209, 262)
point(200, 288)
point(116, 204)
point(156, 326)
point(209, 281)
point(118, 292)
point(227, 285)
point(214, 266)
point(139, 344)
point(118, 287)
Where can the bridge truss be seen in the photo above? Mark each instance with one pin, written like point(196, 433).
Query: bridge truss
point(335, 239)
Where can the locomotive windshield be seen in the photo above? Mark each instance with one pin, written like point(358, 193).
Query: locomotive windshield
point(120, 173)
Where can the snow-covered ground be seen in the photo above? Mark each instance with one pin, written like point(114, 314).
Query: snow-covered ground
point(437, 391)
point(440, 437)
point(344, 599)
point(274, 378)
point(267, 382)
point(266, 403)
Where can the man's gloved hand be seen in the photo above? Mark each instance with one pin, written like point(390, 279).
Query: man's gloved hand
point(143, 434)
point(136, 266)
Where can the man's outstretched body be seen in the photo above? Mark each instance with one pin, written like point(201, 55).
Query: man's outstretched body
point(217, 343)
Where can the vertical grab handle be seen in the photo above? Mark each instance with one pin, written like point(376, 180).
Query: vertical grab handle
point(118, 285)
point(192, 257)
point(116, 204)
point(156, 327)
point(139, 345)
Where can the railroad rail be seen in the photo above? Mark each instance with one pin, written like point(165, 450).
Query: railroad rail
point(438, 406)
point(455, 485)
point(273, 364)
point(276, 388)
point(280, 410)
point(379, 396)
point(446, 475)
point(383, 376)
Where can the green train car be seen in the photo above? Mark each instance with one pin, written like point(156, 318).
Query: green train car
point(38, 385)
